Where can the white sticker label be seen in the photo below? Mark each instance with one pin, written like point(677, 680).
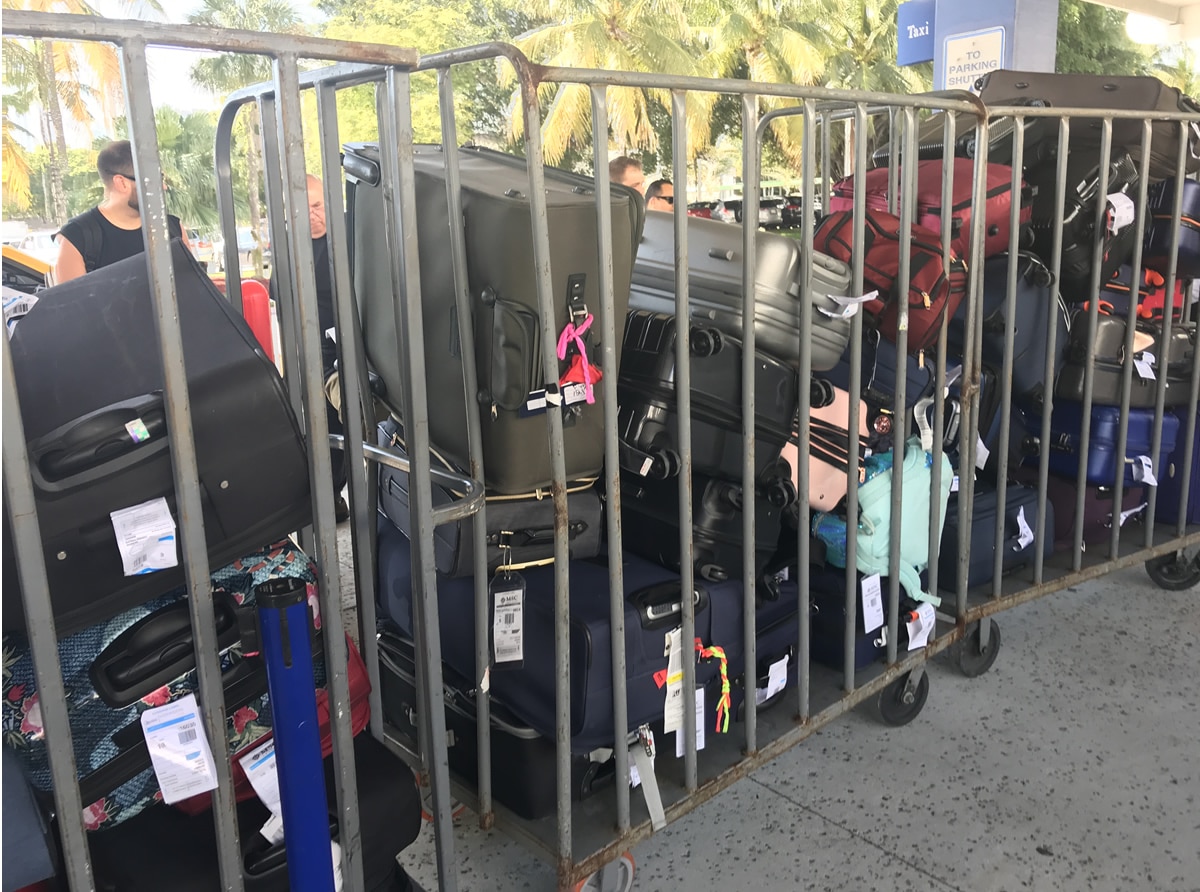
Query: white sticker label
point(920, 626)
point(1024, 533)
point(574, 393)
point(982, 453)
point(16, 305)
point(145, 537)
point(872, 603)
point(646, 466)
point(1143, 470)
point(1124, 211)
point(536, 401)
point(508, 625)
point(272, 831)
point(1144, 369)
point(179, 749)
point(1132, 512)
point(699, 727)
point(138, 431)
point(673, 708)
point(954, 483)
point(260, 767)
point(776, 681)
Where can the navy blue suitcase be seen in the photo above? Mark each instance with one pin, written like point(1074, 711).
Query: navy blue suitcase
point(1156, 251)
point(827, 604)
point(1066, 422)
point(983, 534)
point(1170, 485)
point(652, 608)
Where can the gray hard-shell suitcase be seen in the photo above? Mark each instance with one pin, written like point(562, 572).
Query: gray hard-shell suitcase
point(715, 284)
point(1173, 359)
point(511, 396)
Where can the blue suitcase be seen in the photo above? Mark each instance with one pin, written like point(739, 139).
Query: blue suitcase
point(1156, 251)
point(652, 608)
point(827, 604)
point(983, 534)
point(1066, 422)
point(1170, 483)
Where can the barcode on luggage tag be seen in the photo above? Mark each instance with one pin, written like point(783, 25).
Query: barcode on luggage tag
point(187, 735)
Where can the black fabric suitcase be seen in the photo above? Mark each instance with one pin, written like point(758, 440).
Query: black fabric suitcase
point(650, 525)
point(511, 398)
point(528, 518)
point(715, 282)
point(652, 609)
point(1020, 504)
point(827, 626)
point(1103, 93)
point(81, 383)
point(524, 780)
point(1035, 295)
point(165, 848)
point(649, 426)
point(1160, 213)
point(1174, 360)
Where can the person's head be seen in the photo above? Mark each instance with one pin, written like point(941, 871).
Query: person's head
point(660, 196)
point(115, 166)
point(316, 206)
point(628, 172)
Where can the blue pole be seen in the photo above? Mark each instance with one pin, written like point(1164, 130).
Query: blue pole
point(283, 619)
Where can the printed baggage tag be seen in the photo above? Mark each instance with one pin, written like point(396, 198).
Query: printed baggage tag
point(848, 306)
point(673, 708)
point(872, 603)
point(954, 483)
point(262, 772)
point(1143, 470)
point(982, 453)
point(179, 750)
point(1123, 212)
point(776, 681)
point(145, 537)
point(535, 404)
point(1132, 512)
point(920, 626)
point(1144, 369)
point(507, 592)
point(16, 305)
point(1024, 533)
point(699, 727)
point(272, 831)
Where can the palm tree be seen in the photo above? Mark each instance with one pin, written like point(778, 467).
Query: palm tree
point(1182, 71)
point(224, 73)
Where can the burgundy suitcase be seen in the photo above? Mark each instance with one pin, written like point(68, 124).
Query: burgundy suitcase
point(1097, 509)
point(929, 202)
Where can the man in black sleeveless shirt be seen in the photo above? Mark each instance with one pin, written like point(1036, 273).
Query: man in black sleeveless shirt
point(112, 230)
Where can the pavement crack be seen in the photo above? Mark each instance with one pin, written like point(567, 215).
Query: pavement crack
point(859, 836)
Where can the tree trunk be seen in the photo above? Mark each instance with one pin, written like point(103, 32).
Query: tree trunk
point(57, 145)
point(254, 167)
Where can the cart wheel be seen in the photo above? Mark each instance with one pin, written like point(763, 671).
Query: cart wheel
point(1175, 572)
point(972, 659)
point(619, 879)
point(898, 706)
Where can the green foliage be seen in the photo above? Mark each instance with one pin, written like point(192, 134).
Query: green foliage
point(1092, 40)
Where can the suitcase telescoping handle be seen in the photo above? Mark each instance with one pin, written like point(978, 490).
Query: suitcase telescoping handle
point(661, 604)
point(469, 491)
point(93, 442)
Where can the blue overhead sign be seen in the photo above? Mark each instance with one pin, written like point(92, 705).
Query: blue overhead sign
point(914, 32)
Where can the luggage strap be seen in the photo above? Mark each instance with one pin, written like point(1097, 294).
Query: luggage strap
point(641, 748)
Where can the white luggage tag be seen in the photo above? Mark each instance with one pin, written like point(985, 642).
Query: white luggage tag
point(848, 306)
point(506, 592)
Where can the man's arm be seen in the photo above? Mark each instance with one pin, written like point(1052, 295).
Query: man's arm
point(69, 264)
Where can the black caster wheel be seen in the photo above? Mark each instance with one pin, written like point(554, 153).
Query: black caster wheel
point(705, 342)
point(973, 660)
point(899, 703)
point(1175, 572)
point(615, 877)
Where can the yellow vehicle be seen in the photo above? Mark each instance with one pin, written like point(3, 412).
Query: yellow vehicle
point(24, 272)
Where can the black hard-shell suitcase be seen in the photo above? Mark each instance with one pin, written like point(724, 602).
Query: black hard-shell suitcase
point(650, 525)
point(652, 609)
point(163, 848)
point(715, 286)
point(1020, 506)
point(1035, 296)
point(512, 398)
point(528, 520)
point(94, 416)
point(1173, 359)
point(525, 782)
point(649, 426)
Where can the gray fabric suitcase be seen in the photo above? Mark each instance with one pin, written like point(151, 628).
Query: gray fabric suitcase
point(501, 281)
point(715, 281)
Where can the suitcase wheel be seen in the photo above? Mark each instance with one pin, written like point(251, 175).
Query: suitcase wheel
point(1175, 572)
point(667, 464)
point(705, 341)
point(973, 659)
point(902, 701)
point(615, 877)
point(781, 493)
point(820, 393)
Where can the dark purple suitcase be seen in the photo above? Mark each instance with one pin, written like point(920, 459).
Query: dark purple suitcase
point(1156, 250)
point(1097, 509)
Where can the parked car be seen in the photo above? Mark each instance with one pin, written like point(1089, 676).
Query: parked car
point(727, 211)
point(770, 214)
point(41, 245)
point(246, 243)
point(202, 246)
point(701, 209)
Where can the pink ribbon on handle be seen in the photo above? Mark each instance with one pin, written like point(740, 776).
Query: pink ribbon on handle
point(572, 333)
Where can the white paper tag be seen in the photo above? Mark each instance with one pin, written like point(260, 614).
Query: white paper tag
point(574, 393)
point(553, 398)
point(1149, 357)
point(920, 628)
point(699, 727)
point(848, 306)
point(1143, 470)
point(1024, 533)
point(336, 852)
point(954, 483)
point(872, 603)
point(262, 772)
point(673, 708)
point(982, 453)
point(331, 333)
point(536, 401)
point(272, 831)
point(635, 778)
point(145, 537)
point(1144, 369)
point(776, 681)
point(1124, 211)
point(16, 305)
point(1132, 512)
point(485, 683)
point(508, 625)
point(179, 749)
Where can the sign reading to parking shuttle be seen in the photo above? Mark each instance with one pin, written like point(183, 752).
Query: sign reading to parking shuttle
point(972, 55)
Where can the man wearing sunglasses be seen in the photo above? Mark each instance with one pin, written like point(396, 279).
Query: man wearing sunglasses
point(112, 230)
point(660, 196)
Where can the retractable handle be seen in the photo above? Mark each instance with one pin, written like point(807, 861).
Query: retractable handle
point(286, 649)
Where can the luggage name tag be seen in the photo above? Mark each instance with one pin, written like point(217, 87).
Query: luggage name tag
point(1145, 365)
point(848, 306)
point(145, 536)
point(506, 591)
point(872, 603)
point(1143, 470)
point(673, 707)
point(920, 625)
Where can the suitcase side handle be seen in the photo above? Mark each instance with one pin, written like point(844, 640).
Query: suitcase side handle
point(661, 605)
point(91, 443)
